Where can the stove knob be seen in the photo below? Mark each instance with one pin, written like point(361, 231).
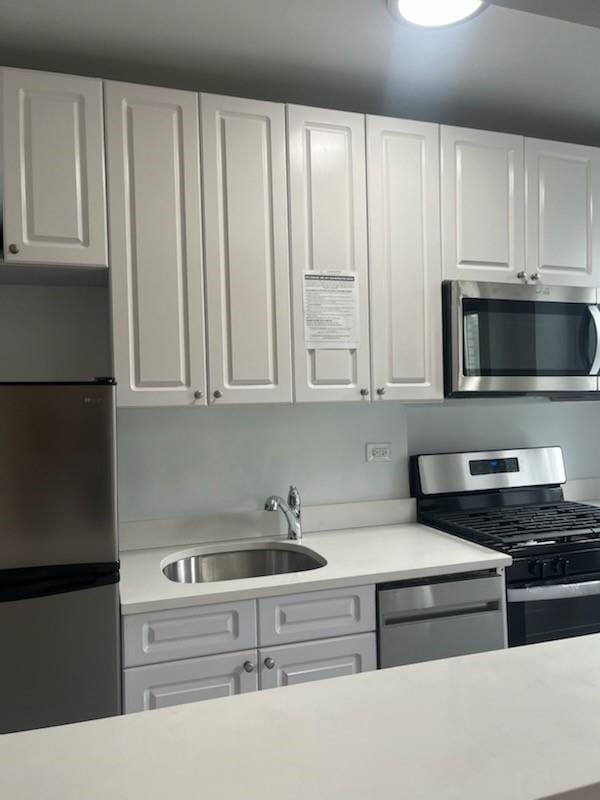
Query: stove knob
point(565, 564)
point(557, 565)
point(535, 568)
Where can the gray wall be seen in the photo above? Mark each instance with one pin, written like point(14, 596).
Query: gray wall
point(53, 333)
point(179, 462)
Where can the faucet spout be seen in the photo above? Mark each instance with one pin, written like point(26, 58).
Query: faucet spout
point(292, 511)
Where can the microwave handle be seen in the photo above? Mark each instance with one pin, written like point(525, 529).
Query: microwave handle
point(595, 315)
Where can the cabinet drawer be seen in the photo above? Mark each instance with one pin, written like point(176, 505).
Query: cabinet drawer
point(316, 615)
point(315, 661)
point(188, 632)
point(179, 682)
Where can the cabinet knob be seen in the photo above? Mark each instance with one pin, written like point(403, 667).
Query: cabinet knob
point(198, 395)
point(364, 392)
point(12, 248)
point(535, 276)
point(217, 394)
point(522, 276)
point(381, 391)
point(269, 663)
point(248, 666)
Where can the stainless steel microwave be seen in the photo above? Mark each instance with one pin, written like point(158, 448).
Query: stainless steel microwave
point(510, 339)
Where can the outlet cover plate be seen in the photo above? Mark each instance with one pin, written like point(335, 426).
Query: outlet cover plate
point(379, 451)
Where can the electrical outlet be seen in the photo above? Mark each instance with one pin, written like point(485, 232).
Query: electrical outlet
point(381, 451)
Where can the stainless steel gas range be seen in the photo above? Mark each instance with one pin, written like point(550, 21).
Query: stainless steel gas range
point(512, 500)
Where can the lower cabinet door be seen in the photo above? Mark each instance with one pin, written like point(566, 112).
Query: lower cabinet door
point(314, 661)
point(176, 682)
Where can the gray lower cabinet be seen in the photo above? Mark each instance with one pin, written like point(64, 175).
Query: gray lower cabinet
point(185, 655)
point(313, 661)
point(177, 682)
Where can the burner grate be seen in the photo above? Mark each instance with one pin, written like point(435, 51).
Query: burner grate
point(565, 520)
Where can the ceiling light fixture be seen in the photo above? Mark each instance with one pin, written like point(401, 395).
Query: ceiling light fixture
point(435, 13)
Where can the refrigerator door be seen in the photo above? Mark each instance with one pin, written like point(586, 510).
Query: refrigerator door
point(60, 658)
point(57, 475)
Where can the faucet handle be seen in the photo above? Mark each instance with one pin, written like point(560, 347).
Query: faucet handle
point(294, 500)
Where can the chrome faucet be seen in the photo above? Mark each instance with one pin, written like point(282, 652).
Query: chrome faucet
point(292, 511)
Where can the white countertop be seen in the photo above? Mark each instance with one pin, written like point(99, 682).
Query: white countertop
point(516, 724)
point(354, 557)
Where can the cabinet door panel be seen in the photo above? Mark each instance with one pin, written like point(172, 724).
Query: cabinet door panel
point(247, 263)
point(482, 205)
point(188, 632)
point(563, 233)
point(316, 615)
point(53, 157)
point(316, 661)
point(328, 232)
point(155, 244)
point(177, 682)
point(405, 261)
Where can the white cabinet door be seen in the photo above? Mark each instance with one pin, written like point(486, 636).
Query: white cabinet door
point(53, 159)
point(152, 141)
point(315, 661)
point(563, 225)
point(482, 205)
point(177, 682)
point(404, 259)
point(246, 250)
point(316, 615)
point(177, 633)
point(328, 222)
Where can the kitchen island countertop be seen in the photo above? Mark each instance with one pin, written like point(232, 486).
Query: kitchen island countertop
point(517, 724)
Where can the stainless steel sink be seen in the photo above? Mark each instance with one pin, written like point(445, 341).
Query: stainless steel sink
point(246, 562)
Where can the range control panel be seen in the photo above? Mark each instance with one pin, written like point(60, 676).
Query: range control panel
point(493, 466)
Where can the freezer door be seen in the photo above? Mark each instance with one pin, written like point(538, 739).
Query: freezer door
point(57, 475)
point(60, 659)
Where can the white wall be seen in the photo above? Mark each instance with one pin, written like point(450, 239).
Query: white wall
point(179, 462)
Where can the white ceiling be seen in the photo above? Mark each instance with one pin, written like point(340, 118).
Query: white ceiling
point(505, 69)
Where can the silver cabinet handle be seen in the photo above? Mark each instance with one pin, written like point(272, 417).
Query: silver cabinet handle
point(535, 276)
point(217, 394)
point(12, 248)
point(381, 391)
point(522, 276)
point(364, 392)
point(197, 395)
point(248, 666)
point(595, 315)
point(269, 663)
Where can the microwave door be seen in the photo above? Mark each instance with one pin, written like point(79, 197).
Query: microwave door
point(521, 339)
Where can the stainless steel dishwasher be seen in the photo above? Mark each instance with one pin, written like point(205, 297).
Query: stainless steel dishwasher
point(448, 616)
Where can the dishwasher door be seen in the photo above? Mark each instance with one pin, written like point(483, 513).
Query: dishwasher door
point(440, 619)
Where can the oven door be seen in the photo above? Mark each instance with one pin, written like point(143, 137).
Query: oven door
point(520, 339)
point(552, 611)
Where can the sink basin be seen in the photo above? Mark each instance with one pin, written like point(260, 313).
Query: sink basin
point(248, 562)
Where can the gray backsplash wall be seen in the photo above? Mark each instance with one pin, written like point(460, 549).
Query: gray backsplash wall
point(179, 462)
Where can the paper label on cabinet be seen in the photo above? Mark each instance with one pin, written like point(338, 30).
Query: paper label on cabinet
point(331, 311)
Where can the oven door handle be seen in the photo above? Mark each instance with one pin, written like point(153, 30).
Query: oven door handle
point(557, 591)
point(595, 315)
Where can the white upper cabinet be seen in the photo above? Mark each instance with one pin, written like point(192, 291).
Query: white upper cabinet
point(53, 160)
point(246, 250)
point(404, 259)
point(328, 220)
point(563, 205)
point(155, 244)
point(482, 205)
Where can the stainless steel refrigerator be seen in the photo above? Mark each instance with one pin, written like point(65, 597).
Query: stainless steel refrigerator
point(59, 569)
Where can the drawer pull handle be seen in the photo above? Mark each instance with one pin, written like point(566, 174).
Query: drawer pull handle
point(248, 666)
point(444, 613)
point(269, 663)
